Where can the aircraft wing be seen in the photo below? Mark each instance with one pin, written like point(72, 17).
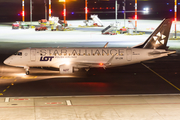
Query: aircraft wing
point(89, 64)
point(93, 63)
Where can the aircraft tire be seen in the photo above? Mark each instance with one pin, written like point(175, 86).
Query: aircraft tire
point(27, 72)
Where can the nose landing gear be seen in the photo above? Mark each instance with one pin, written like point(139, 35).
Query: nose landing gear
point(27, 70)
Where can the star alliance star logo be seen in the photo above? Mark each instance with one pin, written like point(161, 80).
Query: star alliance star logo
point(159, 38)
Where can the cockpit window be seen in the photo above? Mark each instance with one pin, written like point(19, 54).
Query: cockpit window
point(18, 53)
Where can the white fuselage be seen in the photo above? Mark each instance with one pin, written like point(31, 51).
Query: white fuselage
point(82, 57)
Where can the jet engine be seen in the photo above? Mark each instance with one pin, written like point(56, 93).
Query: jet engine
point(66, 69)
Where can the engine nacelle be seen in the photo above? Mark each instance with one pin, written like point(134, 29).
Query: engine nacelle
point(66, 69)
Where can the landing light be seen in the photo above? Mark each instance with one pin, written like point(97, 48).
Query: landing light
point(20, 74)
point(67, 63)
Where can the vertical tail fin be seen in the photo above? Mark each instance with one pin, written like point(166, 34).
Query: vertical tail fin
point(158, 39)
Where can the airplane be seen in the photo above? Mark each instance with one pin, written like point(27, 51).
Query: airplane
point(68, 60)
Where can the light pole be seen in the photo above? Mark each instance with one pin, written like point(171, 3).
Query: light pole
point(31, 12)
point(49, 8)
point(116, 14)
point(23, 10)
point(45, 9)
point(64, 11)
point(136, 16)
point(116, 10)
point(124, 8)
point(86, 11)
point(175, 14)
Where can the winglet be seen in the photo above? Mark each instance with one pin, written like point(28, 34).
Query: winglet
point(105, 45)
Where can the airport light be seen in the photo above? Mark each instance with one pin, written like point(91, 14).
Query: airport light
point(23, 10)
point(175, 15)
point(146, 9)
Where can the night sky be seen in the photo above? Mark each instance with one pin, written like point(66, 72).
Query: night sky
point(10, 10)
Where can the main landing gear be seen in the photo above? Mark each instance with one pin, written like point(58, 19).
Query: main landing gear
point(27, 70)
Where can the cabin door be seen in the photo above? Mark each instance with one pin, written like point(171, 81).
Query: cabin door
point(129, 54)
point(33, 55)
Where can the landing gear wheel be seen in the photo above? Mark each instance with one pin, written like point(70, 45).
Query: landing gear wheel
point(27, 72)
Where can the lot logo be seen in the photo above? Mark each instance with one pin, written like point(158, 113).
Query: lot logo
point(65, 70)
point(47, 58)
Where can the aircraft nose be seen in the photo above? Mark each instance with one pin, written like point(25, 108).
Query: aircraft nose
point(7, 61)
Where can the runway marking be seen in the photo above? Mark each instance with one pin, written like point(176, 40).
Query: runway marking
point(21, 99)
point(161, 77)
point(6, 99)
point(137, 104)
point(68, 102)
point(8, 87)
point(7, 77)
point(54, 103)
